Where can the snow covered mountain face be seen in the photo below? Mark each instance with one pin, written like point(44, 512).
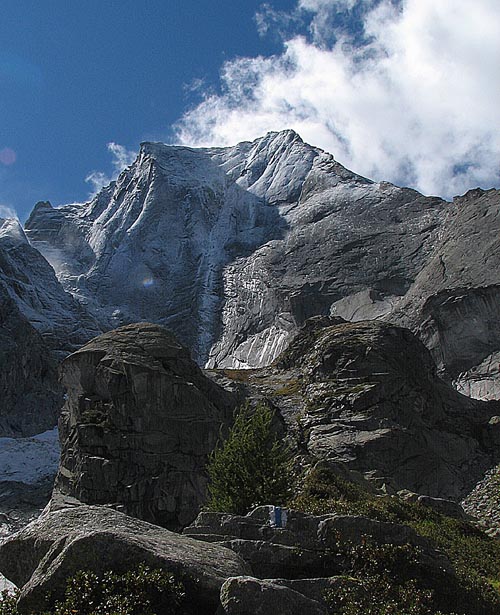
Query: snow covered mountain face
point(233, 248)
point(32, 285)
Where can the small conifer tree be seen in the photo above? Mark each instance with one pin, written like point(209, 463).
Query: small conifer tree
point(251, 467)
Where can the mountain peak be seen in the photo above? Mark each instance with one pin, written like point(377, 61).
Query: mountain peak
point(288, 134)
point(11, 229)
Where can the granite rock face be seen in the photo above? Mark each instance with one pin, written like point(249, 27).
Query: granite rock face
point(248, 596)
point(367, 394)
point(39, 322)
point(306, 557)
point(44, 554)
point(233, 248)
point(31, 283)
point(481, 381)
point(454, 303)
point(31, 394)
point(308, 546)
point(139, 421)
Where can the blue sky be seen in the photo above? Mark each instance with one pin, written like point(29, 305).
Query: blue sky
point(402, 90)
point(77, 75)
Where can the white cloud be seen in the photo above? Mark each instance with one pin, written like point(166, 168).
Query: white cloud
point(97, 180)
point(277, 23)
point(7, 212)
point(416, 102)
point(122, 157)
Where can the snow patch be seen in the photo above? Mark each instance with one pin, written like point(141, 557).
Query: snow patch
point(29, 460)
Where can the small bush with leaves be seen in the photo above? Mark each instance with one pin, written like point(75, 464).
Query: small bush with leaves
point(379, 595)
point(474, 556)
point(251, 467)
point(8, 602)
point(142, 591)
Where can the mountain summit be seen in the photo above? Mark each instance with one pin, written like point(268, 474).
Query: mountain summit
point(233, 248)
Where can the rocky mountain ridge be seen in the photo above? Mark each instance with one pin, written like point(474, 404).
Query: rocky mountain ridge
point(234, 248)
point(140, 418)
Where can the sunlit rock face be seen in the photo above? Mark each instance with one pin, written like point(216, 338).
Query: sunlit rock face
point(367, 394)
point(233, 248)
point(453, 305)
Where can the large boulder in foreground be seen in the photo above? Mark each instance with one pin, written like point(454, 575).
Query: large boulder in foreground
point(44, 554)
point(138, 424)
point(367, 394)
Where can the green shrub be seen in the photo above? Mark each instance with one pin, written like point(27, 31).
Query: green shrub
point(379, 595)
point(142, 591)
point(8, 603)
point(474, 556)
point(251, 467)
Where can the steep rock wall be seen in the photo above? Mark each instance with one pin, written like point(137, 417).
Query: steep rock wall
point(139, 421)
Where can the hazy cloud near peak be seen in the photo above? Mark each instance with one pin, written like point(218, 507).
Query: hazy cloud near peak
point(7, 212)
point(415, 100)
point(121, 158)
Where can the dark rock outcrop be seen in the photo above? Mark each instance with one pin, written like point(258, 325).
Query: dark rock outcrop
point(39, 323)
point(138, 424)
point(367, 394)
point(51, 549)
point(251, 596)
point(64, 323)
point(321, 548)
point(314, 541)
point(31, 396)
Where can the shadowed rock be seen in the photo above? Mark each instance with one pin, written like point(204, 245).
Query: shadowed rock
point(31, 396)
point(453, 304)
point(138, 424)
point(42, 556)
point(248, 596)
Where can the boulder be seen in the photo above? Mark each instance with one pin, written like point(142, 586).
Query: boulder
point(316, 589)
point(308, 545)
point(139, 422)
point(273, 560)
point(367, 394)
point(440, 505)
point(250, 596)
point(44, 554)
